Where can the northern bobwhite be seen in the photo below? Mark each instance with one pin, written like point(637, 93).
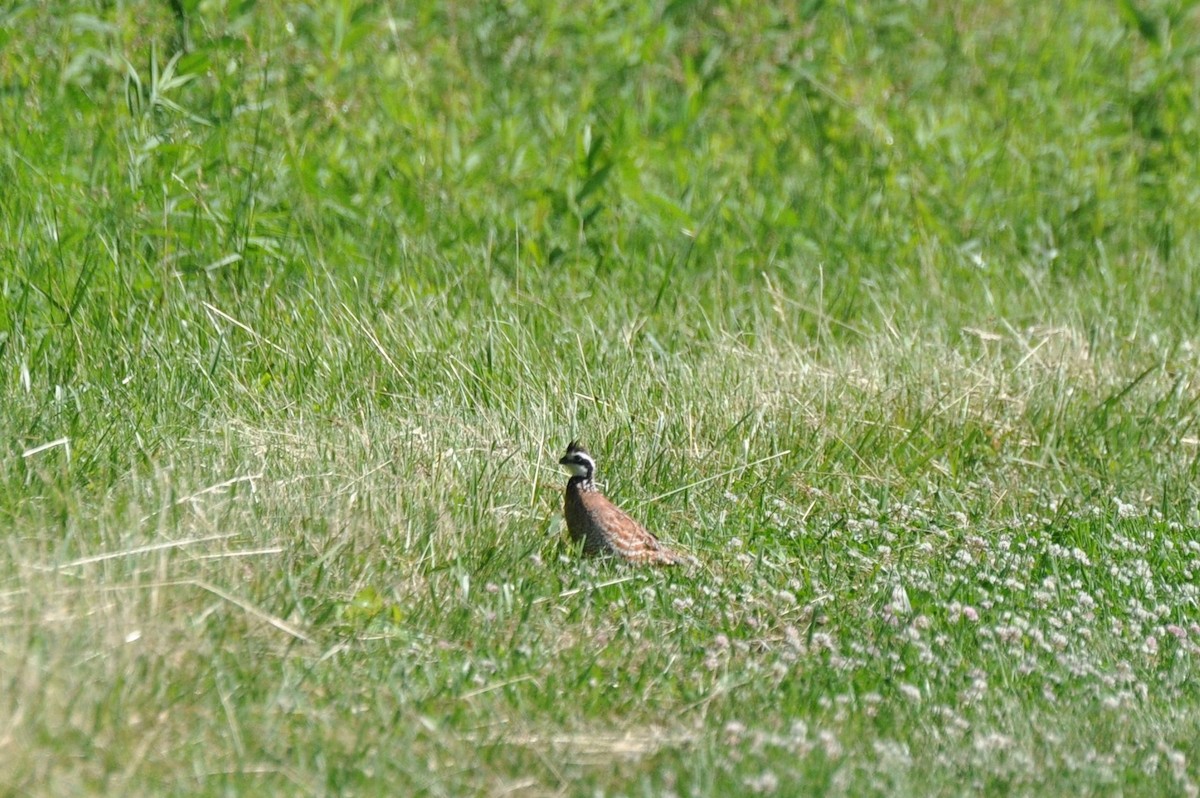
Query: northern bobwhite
point(602, 526)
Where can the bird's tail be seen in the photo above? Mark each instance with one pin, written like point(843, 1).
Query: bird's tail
point(668, 557)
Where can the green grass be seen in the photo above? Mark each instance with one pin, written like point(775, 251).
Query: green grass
point(886, 311)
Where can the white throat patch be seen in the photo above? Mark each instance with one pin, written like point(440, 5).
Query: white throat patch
point(577, 469)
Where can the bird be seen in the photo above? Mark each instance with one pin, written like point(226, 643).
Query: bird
point(602, 527)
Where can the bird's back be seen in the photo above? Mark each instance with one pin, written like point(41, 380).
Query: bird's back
point(605, 529)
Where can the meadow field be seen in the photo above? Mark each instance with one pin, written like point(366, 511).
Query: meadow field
point(887, 312)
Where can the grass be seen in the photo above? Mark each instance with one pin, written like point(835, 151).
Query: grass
point(886, 311)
